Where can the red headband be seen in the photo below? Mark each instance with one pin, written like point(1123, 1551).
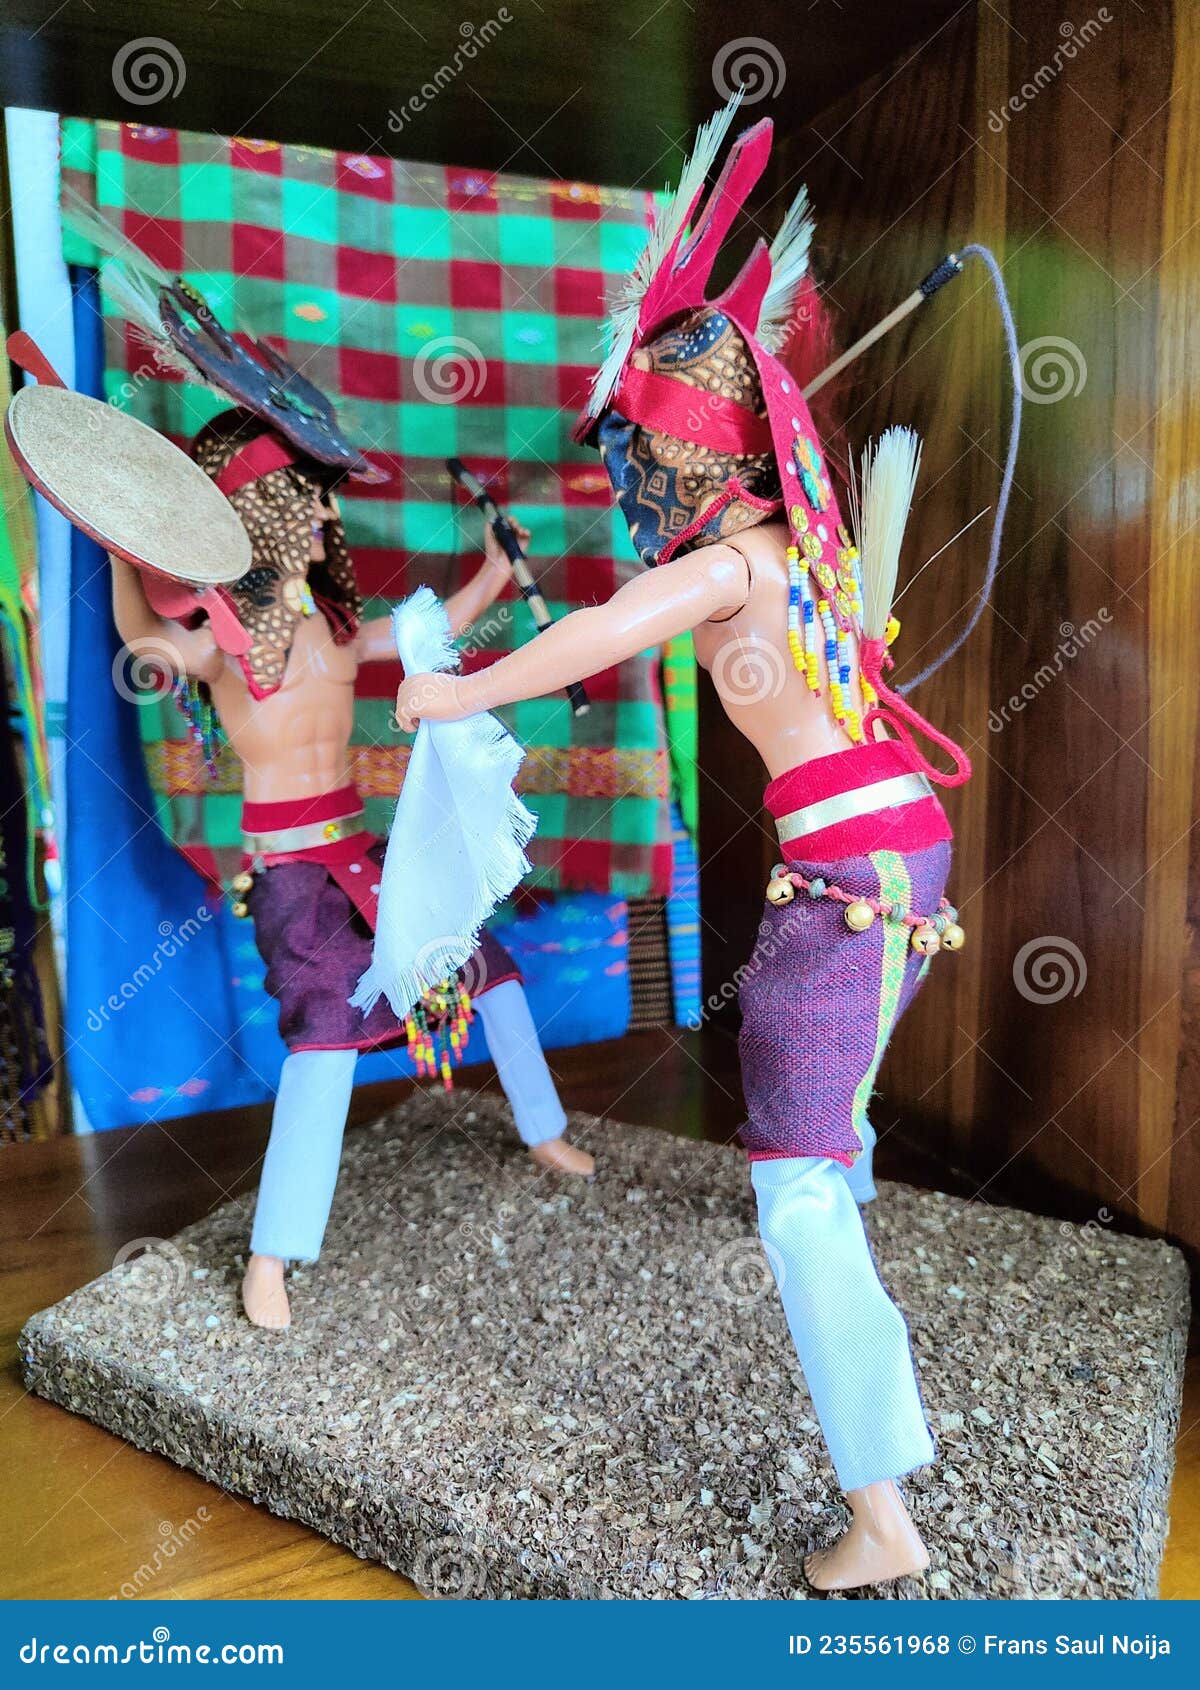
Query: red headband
point(689, 413)
point(258, 457)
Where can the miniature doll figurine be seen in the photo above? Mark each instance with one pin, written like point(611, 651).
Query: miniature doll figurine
point(283, 691)
point(311, 876)
point(715, 463)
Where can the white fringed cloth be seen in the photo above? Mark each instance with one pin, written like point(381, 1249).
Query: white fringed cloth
point(457, 845)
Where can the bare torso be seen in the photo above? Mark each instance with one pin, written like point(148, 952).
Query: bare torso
point(762, 692)
point(296, 743)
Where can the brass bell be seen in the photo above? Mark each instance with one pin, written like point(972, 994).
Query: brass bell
point(953, 937)
point(925, 940)
point(241, 910)
point(780, 891)
point(243, 882)
point(859, 915)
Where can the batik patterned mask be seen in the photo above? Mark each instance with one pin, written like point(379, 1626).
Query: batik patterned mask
point(664, 484)
point(274, 593)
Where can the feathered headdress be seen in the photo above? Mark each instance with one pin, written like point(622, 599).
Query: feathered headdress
point(186, 337)
point(637, 403)
point(670, 281)
point(672, 274)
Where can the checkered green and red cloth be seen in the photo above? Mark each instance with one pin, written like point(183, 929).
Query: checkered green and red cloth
point(445, 311)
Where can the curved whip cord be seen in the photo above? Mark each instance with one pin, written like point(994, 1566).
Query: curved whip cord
point(988, 258)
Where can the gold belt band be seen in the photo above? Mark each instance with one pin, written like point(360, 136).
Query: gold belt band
point(285, 839)
point(845, 806)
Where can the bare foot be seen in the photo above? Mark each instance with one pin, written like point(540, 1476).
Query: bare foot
point(563, 1158)
point(263, 1295)
point(882, 1543)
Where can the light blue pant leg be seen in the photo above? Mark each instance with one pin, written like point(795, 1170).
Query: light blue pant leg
point(517, 1052)
point(860, 1177)
point(300, 1168)
point(850, 1337)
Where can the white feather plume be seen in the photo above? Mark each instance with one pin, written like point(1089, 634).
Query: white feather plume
point(789, 266)
point(132, 281)
point(110, 241)
point(879, 513)
point(671, 218)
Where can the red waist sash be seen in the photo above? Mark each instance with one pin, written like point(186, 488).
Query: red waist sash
point(347, 858)
point(869, 798)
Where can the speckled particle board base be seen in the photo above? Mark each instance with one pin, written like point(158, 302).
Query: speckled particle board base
point(502, 1385)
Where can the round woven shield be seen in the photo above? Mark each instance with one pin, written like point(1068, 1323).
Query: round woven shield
point(126, 486)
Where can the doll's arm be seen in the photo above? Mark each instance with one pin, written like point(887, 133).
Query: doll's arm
point(485, 586)
point(647, 611)
point(375, 643)
point(191, 652)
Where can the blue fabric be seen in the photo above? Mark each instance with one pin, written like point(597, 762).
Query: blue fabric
point(300, 1169)
point(150, 1015)
point(166, 1014)
point(147, 1001)
point(524, 1073)
point(683, 924)
point(574, 955)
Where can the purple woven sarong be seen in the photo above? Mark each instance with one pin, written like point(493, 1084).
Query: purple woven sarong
point(316, 945)
point(819, 1003)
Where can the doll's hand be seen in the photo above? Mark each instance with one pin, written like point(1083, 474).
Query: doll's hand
point(494, 554)
point(429, 698)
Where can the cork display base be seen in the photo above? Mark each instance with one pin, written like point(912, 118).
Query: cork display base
point(505, 1385)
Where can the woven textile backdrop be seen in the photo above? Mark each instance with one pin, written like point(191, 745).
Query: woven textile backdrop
point(445, 312)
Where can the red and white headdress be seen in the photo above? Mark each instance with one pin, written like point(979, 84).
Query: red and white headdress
point(708, 431)
point(669, 282)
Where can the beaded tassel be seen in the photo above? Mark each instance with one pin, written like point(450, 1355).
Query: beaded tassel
point(812, 670)
point(435, 1047)
point(853, 720)
point(197, 708)
point(856, 597)
point(837, 694)
point(802, 620)
point(795, 633)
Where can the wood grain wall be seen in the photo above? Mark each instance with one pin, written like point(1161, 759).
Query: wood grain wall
point(1056, 1059)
